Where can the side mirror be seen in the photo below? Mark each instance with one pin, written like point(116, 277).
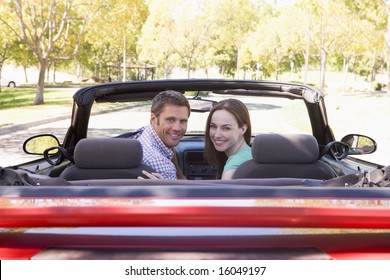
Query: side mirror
point(36, 145)
point(359, 144)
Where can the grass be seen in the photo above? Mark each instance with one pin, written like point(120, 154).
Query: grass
point(16, 104)
point(24, 97)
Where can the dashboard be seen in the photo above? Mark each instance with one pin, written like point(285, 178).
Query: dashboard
point(191, 159)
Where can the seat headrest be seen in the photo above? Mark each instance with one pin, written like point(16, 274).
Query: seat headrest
point(105, 153)
point(285, 148)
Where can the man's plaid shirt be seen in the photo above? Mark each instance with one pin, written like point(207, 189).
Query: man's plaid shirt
point(155, 153)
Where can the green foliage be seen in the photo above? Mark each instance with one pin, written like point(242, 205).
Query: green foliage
point(378, 86)
point(232, 35)
point(226, 62)
point(116, 26)
point(373, 11)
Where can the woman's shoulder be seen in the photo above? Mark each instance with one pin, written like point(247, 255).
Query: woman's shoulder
point(245, 152)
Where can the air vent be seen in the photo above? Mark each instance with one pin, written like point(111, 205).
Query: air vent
point(194, 157)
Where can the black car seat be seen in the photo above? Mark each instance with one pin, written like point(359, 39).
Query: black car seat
point(106, 158)
point(285, 156)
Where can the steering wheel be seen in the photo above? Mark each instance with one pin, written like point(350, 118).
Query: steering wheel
point(59, 156)
point(338, 150)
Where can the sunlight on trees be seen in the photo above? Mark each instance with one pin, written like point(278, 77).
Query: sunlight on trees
point(143, 39)
point(51, 30)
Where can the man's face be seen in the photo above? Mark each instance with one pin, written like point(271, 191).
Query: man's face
point(171, 124)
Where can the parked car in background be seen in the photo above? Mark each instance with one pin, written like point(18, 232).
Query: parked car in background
point(304, 195)
point(4, 82)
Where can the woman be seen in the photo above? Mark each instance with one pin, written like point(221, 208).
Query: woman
point(228, 136)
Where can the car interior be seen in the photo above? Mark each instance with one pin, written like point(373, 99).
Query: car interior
point(278, 160)
point(106, 158)
point(275, 156)
point(296, 144)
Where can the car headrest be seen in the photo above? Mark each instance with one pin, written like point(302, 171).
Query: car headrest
point(285, 148)
point(104, 153)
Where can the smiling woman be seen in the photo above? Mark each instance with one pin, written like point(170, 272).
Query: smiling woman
point(228, 136)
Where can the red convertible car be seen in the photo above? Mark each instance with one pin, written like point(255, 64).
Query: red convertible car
point(311, 197)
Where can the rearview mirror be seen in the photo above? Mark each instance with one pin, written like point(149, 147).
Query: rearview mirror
point(201, 105)
point(359, 144)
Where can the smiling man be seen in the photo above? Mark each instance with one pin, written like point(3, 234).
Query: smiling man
point(168, 123)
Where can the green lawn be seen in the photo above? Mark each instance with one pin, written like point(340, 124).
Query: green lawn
point(16, 104)
point(24, 97)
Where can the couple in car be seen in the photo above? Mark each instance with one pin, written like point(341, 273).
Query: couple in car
point(227, 137)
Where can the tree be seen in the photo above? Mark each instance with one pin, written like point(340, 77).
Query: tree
point(23, 56)
point(175, 34)
point(360, 39)
point(325, 32)
point(234, 20)
point(278, 41)
point(5, 46)
point(115, 32)
point(377, 13)
point(52, 30)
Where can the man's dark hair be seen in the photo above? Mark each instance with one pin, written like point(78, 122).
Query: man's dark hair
point(168, 97)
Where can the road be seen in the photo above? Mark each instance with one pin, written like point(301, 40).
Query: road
point(11, 143)
point(364, 113)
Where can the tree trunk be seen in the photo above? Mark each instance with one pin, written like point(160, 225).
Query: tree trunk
point(100, 72)
point(41, 84)
point(382, 68)
point(373, 72)
point(54, 72)
point(48, 74)
point(124, 59)
point(188, 66)
point(188, 72)
point(79, 72)
point(237, 74)
point(388, 68)
point(25, 73)
point(277, 61)
point(345, 70)
point(1, 70)
point(307, 51)
point(387, 39)
point(323, 69)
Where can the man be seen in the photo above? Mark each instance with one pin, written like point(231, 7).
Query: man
point(168, 123)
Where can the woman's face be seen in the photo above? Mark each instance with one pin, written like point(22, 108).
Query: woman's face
point(224, 132)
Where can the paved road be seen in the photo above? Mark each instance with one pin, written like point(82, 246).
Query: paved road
point(368, 115)
point(362, 113)
point(11, 143)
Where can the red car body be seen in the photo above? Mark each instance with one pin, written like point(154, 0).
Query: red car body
point(265, 228)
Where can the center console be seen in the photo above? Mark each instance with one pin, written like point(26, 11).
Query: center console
point(192, 162)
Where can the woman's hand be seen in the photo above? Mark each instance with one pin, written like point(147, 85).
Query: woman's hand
point(151, 175)
point(228, 175)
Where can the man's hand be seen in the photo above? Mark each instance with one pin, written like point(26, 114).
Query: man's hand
point(151, 175)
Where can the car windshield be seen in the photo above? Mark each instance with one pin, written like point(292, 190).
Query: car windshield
point(268, 114)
